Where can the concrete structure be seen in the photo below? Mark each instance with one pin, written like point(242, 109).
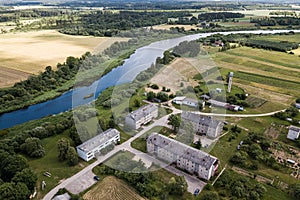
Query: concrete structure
point(185, 157)
point(90, 148)
point(203, 125)
point(293, 133)
point(141, 116)
point(230, 77)
point(190, 102)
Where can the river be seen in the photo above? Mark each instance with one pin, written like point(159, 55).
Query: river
point(136, 63)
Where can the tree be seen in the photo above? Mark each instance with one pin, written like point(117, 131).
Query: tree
point(26, 176)
point(22, 191)
point(150, 96)
point(174, 121)
point(177, 185)
point(210, 196)
point(33, 147)
point(63, 146)
point(137, 102)
point(197, 144)
point(239, 157)
point(163, 96)
point(72, 156)
point(11, 165)
point(7, 191)
point(295, 190)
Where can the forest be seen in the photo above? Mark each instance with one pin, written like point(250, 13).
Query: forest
point(251, 40)
point(106, 23)
point(219, 15)
point(275, 21)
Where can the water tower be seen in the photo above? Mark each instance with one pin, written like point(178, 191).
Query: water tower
point(230, 77)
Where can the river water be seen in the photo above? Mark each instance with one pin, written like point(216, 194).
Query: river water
point(136, 63)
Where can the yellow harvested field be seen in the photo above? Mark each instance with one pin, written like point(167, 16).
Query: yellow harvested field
point(181, 70)
point(31, 52)
point(167, 27)
point(111, 188)
point(9, 76)
point(296, 51)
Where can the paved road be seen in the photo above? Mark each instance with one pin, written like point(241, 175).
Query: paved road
point(126, 145)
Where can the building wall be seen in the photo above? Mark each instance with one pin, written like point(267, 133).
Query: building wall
point(136, 124)
point(181, 162)
point(87, 156)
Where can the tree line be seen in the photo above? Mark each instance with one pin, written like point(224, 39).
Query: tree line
point(106, 23)
point(275, 21)
point(251, 40)
point(219, 15)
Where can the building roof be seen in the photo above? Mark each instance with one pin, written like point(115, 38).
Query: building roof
point(182, 150)
point(294, 128)
point(142, 112)
point(191, 100)
point(181, 98)
point(202, 119)
point(98, 140)
point(297, 105)
point(204, 96)
point(217, 103)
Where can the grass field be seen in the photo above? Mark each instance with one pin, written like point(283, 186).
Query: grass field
point(273, 76)
point(112, 188)
point(31, 52)
point(50, 163)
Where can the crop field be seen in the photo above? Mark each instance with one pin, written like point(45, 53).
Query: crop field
point(9, 76)
point(31, 52)
point(273, 73)
point(111, 188)
point(167, 27)
point(181, 70)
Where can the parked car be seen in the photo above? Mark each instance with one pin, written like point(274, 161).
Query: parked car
point(96, 178)
point(197, 191)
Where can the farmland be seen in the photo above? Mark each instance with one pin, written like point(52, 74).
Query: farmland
point(31, 52)
point(112, 188)
point(268, 74)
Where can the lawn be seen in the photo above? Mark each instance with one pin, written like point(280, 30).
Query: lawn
point(224, 149)
point(50, 163)
point(140, 143)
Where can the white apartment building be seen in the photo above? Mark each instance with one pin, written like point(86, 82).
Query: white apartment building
point(141, 116)
point(90, 148)
point(185, 157)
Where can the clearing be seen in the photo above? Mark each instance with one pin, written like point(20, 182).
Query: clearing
point(181, 70)
point(31, 52)
point(112, 188)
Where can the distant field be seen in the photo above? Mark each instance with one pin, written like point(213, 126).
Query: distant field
point(167, 27)
point(9, 76)
point(111, 188)
point(275, 75)
point(290, 38)
point(31, 52)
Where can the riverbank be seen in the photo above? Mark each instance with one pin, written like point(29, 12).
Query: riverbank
point(87, 77)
